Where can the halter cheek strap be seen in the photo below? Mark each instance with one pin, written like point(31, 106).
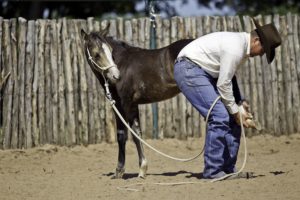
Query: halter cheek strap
point(94, 63)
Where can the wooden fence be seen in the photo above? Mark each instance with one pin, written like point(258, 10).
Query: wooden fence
point(52, 96)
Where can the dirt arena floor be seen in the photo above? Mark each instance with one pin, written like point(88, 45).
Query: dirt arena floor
point(62, 173)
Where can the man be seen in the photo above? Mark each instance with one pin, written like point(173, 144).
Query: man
point(204, 70)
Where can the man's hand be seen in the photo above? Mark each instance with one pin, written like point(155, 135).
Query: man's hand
point(245, 116)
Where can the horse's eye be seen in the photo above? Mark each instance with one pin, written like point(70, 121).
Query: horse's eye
point(97, 56)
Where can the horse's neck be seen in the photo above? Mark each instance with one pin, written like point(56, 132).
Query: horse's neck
point(119, 48)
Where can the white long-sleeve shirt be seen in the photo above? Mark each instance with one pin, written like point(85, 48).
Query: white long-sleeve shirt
point(220, 54)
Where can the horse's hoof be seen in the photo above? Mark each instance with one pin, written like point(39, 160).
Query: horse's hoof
point(143, 169)
point(119, 173)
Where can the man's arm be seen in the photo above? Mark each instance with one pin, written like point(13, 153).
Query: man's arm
point(236, 91)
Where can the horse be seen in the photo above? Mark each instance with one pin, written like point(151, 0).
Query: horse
point(135, 76)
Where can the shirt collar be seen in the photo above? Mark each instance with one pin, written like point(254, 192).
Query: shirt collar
point(248, 39)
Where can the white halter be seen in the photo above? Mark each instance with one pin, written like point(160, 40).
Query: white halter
point(91, 59)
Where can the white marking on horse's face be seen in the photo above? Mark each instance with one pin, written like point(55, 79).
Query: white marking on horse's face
point(113, 73)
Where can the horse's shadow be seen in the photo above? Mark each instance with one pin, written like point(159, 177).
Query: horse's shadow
point(127, 176)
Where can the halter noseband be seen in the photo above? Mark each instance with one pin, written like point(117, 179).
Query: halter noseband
point(94, 63)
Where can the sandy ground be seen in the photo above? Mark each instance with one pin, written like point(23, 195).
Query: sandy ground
point(61, 173)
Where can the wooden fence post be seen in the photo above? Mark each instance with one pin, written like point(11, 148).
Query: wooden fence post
point(21, 80)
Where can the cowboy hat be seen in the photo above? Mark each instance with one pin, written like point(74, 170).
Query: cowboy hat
point(269, 38)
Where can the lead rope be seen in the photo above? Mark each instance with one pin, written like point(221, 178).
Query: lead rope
point(126, 187)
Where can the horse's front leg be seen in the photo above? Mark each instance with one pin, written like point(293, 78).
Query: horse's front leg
point(121, 138)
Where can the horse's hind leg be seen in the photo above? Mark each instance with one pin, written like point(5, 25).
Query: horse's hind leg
point(142, 160)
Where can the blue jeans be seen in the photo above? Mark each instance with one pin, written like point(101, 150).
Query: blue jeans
point(223, 134)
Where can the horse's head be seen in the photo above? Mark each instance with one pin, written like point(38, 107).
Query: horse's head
point(99, 54)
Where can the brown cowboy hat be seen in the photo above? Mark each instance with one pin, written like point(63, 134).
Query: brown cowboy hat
point(269, 38)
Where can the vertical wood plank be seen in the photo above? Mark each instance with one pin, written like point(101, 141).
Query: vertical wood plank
point(74, 67)
point(286, 69)
point(16, 97)
point(35, 127)
point(22, 31)
point(8, 90)
point(293, 72)
point(267, 107)
point(66, 45)
point(29, 69)
point(1, 78)
point(41, 112)
point(48, 86)
point(279, 61)
point(61, 87)
point(54, 79)
point(297, 59)
point(83, 111)
point(275, 109)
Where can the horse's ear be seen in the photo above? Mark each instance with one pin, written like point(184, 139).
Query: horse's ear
point(105, 31)
point(84, 35)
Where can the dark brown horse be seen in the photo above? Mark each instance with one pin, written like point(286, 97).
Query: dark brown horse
point(136, 76)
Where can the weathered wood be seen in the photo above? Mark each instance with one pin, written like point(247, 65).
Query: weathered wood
point(83, 111)
point(120, 28)
point(294, 78)
point(35, 128)
point(74, 67)
point(61, 87)
point(22, 30)
point(297, 59)
point(29, 69)
point(281, 103)
point(16, 97)
point(275, 109)
point(287, 76)
point(8, 90)
point(41, 91)
point(54, 79)
point(48, 86)
point(70, 137)
point(266, 108)
point(1, 85)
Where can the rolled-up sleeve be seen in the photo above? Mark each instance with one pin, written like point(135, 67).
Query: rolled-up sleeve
point(228, 65)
